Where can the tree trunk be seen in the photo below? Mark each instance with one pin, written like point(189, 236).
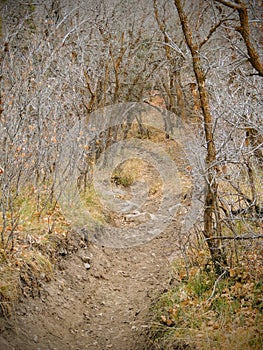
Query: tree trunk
point(244, 29)
point(217, 254)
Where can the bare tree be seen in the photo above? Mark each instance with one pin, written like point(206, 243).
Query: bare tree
point(62, 60)
point(244, 29)
point(211, 206)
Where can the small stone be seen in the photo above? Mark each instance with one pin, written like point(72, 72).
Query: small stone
point(63, 252)
point(138, 217)
point(35, 338)
point(87, 266)
point(86, 316)
point(86, 259)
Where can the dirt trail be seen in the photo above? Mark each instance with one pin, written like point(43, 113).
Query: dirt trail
point(105, 307)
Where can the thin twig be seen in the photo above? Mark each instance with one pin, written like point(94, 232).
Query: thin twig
point(238, 238)
point(215, 285)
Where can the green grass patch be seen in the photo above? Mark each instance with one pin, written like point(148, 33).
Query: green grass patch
point(203, 312)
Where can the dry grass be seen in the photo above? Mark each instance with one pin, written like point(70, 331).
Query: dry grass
point(30, 247)
point(206, 313)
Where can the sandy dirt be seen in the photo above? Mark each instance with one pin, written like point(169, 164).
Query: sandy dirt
point(104, 307)
point(99, 298)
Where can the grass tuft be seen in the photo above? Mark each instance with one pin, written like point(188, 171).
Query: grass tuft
point(203, 313)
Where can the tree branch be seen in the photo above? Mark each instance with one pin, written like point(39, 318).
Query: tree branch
point(237, 238)
point(231, 4)
point(212, 30)
point(215, 285)
point(244, 30)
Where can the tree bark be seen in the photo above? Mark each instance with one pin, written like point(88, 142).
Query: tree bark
point(217, 255)
point(244, 30)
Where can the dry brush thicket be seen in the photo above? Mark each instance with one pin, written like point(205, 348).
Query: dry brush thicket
point(62, 60)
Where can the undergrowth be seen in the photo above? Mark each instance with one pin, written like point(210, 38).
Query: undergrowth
point(31, 247)
point(203, 311)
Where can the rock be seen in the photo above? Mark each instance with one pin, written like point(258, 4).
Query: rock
point(87, 266)
point(35, 338)
point(63, 252)
point(137, 217)
point(86, 258)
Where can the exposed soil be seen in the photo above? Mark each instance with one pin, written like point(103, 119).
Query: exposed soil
point(104, 307)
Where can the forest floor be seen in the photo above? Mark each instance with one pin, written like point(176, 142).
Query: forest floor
point(104, 307)
point(98, 297)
